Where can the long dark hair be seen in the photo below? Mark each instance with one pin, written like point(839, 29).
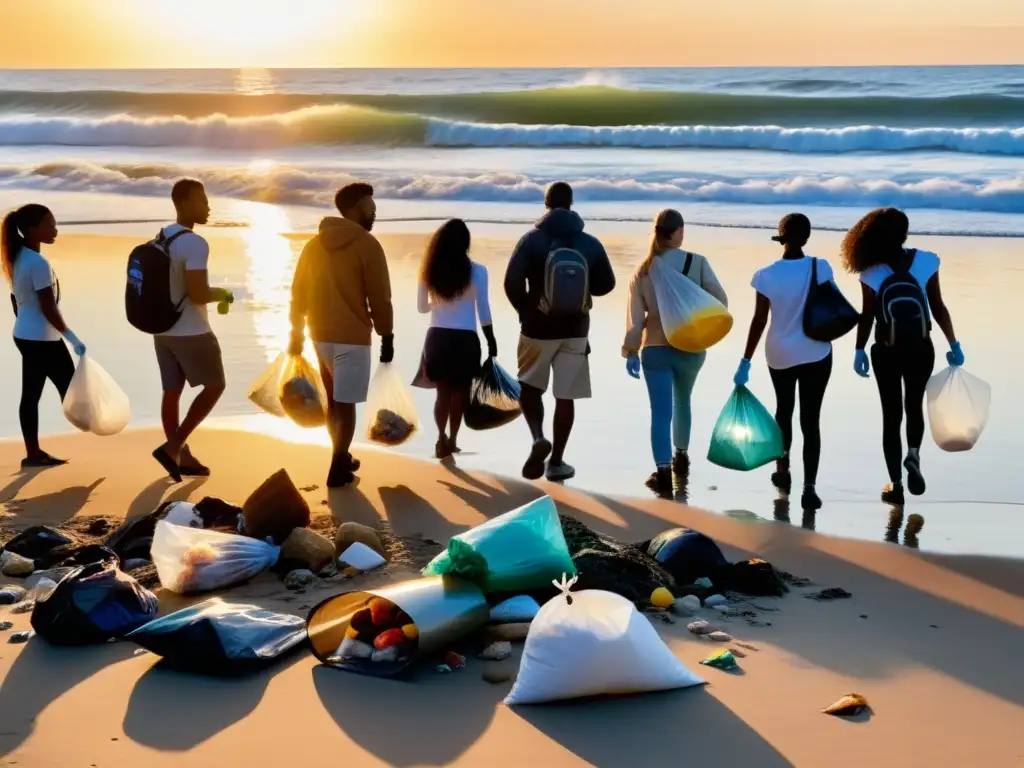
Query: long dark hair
point(446, 269)
point(877, 238)
point(12, 234)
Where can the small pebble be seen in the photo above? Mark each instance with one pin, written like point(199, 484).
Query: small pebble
point(13, 564)
point(26, 607)
point(863, 615)
point(720, 637)
point(299, 578)
point(11, 594)
point(498, 673)
point(140, 652)
point(714, 600)
point(738, 653)
point(6, 625)
point(442, 669)
point(513, 632)
point(704, 581)
point(699, 627)
point(686, 606)
point(712, 487)
point(455, 660)
point(934, 626)
point(497, 651)
point(21, 637)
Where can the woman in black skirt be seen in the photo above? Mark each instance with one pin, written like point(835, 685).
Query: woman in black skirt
point(453, 289)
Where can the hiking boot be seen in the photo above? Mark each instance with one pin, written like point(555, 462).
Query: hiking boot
point(558, 473)
point(915, 480)
point(783, 481)
point(681, 463)
point(442, 449)
point(810, 501)
point(893, 496)
point(533, 469)
point(660, 482)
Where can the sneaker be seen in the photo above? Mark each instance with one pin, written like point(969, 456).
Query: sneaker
point(353, 463)
point(558, 473)
point(442, 449)
point(893, 496)
point(660, 482)
point(533, 469)
point(783, 482)
point(915, 480)
point(810, 501)
point(681, 463)
point(340, 473)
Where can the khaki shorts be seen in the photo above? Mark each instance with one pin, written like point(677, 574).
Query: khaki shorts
point(349, 367)
point(566, 357)
point(193, 359)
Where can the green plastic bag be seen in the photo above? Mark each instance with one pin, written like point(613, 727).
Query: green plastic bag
point(746, 436)
point(519, 551)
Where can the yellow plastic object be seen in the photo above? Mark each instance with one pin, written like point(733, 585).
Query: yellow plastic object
point(411, 631)
point(693, 320)
point(705, 329)
point(662, 598)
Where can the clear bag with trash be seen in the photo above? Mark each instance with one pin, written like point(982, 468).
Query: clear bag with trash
point(94, 402)
point(190, 560)
point(518, 551)
point(692, 318)
point(390, 411)
point(745, 436)
point(493, 398)
point(594, 643)
point(958, 408)
point(292, 387)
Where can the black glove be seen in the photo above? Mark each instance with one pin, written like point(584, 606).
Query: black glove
point(492, 343)
point(387, 348)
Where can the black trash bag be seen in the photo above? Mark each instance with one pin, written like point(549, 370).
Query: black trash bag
point(89, 555)
point(37, 543)
point(218, 638)
point(754, 577)
point(133, 539)
point(614, 566)
point(493, 398)
point(217, 513)
point(687, 555)
point(93, 604)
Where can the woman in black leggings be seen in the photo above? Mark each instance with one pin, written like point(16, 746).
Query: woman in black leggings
point(794, 360)
point(39, 328)
point(901, 295)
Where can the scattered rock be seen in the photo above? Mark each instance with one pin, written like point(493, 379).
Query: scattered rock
point(498, 673)
point(98, 527)
point(497, 651)
point(700, 627)
point(26, 607)
point(352, 533)
point(714, 600)
point(13, 564)
point(686, 606)
point(298, 579)
point(850, 705)
point(863, 615)
point(704, 581)
point(794, 581)
point(720, 637)
point(11, 594)
point(832, 593)
point(21, 637)
point(512, 632)
point(454, 660)
point(934, 626)
point(308, 548)
point(712, 487)
point(6, 625)
point(140, 652)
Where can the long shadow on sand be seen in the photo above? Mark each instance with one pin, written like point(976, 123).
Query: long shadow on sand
point(423, 730)
point(42, 674)
point(55, 508)
point(176, 711)
point(688, 727)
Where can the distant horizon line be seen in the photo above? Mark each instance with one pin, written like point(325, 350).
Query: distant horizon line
point(574, 67)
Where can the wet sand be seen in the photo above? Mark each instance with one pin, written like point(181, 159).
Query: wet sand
point(930, 640)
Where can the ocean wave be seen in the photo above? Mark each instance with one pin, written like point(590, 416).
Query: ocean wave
point(586, 105)
point(311, 186)
point(361, 125)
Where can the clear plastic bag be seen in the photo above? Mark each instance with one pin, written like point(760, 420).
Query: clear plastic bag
point(692, 318)
point(958, 408)
point(594, 643)
point(518, 551)
point(745, 436)
point(292, 387)
point(390, 411)
point(189, 560)
point(94, 403)
point(493, 398)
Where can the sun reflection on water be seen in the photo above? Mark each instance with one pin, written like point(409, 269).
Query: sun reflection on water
point(255, 82)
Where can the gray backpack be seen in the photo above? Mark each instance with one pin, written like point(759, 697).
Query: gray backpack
point(566, 283)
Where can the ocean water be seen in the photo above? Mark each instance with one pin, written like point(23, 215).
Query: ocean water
point(734, 149)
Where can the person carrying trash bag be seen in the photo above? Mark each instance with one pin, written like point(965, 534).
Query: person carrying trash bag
point(795, 360)
point(341, 292)
point(453, 290)
point(670, 373)
point(901, 294)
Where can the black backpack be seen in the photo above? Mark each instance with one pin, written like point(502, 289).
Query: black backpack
point(901, 308)
point(566, 283)
point(147, 294)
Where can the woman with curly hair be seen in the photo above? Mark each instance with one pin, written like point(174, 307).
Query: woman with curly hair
point(453, 289)
point(901, 295)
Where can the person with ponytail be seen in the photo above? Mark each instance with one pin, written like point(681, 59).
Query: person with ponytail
point(670, 373)
point(38, 326)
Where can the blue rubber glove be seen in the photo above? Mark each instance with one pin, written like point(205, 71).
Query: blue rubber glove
point(861, 364)
point(633, 366)
point(742, 373)
point(76, 344)
point(955, 356)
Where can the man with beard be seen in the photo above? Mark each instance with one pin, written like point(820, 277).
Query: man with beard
point(342, 292)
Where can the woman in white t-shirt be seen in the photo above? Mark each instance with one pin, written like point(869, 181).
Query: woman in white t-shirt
point(900, 289)
point(453, 289)
point(38, 325)
point(794, 360)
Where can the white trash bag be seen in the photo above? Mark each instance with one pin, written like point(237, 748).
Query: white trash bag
point(190, 560)
point(693, 320)
point(594, 643)
point(94, 403)
point(958, 408)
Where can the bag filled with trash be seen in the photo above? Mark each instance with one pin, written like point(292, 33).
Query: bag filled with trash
point(191, 560)
point(493, 398)
point(390, 411)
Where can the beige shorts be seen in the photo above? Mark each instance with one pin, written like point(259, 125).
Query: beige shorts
point(566, 357)
point(348, 365)
point(193, 359)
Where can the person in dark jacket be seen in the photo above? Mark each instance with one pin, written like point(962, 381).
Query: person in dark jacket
point(554, 272)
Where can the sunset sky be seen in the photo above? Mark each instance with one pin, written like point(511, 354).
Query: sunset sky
point(530, 33)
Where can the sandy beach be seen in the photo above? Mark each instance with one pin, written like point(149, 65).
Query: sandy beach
point(930, 640)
